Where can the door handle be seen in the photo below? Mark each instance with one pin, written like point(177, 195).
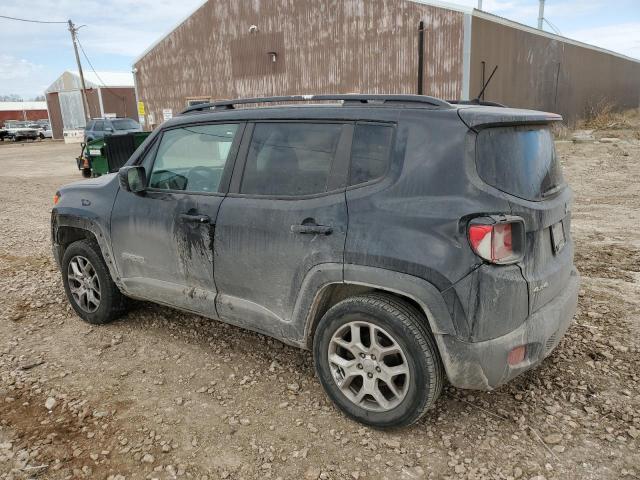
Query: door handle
point(312, 229)
point(185, 217)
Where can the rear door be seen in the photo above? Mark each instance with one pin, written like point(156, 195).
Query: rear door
point(521, 161)
point(163, 238)
point(285, 215)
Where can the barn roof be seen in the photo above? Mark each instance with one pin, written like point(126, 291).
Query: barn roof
point(70, 80)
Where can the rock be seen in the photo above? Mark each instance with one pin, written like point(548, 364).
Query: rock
point(583, 136)
point(390, 443)
point(179, 401)
point(460, 468)
point(50, 404)
point(633, 432)
point(553, 439)
point(312, 473)
point(148, 458)
point(294, 387)
point(609, 140)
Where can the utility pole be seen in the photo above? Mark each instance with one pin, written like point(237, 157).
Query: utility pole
point(74, 31)
point(479, 4)
point(540, 14)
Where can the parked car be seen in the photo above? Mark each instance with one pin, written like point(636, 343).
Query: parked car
point(4, 133)
point(403, 239)
point(98, 128)
point(16, 131)
point(45, 132)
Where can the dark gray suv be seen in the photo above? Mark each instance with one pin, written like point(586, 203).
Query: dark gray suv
point(98, 128)
point(403, 239)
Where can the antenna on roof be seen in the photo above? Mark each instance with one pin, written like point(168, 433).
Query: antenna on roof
point(486, 84)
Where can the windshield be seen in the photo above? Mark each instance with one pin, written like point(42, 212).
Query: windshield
point(125, 124)
point(520, 161)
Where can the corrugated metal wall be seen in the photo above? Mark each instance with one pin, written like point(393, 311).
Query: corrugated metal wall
point(55, 114)
point(324, 46)
point(544, 73)
point(121, 101)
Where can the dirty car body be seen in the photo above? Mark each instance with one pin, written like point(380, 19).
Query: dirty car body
point(457, 213)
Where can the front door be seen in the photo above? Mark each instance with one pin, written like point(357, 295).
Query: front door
point(163, 238)
point(285, 214)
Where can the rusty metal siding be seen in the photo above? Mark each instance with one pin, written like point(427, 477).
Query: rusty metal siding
point(93, 102)
point(325, 46)
point(55, 114)
point(121, 101)
point(544, 73)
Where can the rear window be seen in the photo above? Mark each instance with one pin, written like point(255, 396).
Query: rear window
point(124, 124)
point(520, 161)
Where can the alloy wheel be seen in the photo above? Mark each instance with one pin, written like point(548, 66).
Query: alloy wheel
point(84, 284)
point(369, 366)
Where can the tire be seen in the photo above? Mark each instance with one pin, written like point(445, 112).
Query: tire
point(390, 319)
point(110, 302)
point(41, 136)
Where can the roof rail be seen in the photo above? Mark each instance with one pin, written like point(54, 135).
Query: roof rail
point(476, 101)
point(346, 99)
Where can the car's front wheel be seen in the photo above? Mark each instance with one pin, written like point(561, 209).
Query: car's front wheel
point(88, 285)
point(377, 360)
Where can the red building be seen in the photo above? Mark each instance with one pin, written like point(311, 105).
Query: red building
point(23, 111)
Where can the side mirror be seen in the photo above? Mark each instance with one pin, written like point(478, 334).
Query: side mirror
point(132, 178)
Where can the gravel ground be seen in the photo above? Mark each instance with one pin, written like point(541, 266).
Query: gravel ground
point(163, 394)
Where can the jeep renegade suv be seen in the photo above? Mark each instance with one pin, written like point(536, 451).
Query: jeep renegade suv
point(404, 239)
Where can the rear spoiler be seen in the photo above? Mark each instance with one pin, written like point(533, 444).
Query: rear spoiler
point(478, 118)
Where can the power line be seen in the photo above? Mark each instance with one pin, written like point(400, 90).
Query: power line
point(555, 29)
point(27, 20)
point(96, 73)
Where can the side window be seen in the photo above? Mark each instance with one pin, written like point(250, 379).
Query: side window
point(98, 126)
point(370, 152)
point(90, 125)
point(192, 158)
point(290, 159)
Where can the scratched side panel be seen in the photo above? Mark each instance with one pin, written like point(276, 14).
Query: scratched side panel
point(324, 46)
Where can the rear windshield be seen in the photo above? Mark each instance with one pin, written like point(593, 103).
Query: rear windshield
point(124, 124)
point(520, 161)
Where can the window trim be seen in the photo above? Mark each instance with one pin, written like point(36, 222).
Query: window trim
point(223, 186)
point(336, 179)
point(389, 157)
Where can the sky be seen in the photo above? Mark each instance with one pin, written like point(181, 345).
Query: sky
point(117, 31)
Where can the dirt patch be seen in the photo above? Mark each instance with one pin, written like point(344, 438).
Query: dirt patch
point(608, 261)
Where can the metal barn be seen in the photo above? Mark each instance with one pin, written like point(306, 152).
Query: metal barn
point(240, 48)
point(108, 93)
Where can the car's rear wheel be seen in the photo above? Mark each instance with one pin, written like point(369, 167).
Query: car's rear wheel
point(88, 285)
point(377, 360)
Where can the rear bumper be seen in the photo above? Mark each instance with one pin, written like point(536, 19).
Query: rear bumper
point(484, 366)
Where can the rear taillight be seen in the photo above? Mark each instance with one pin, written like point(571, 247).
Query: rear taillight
point(56, 198)
point(497, 240)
